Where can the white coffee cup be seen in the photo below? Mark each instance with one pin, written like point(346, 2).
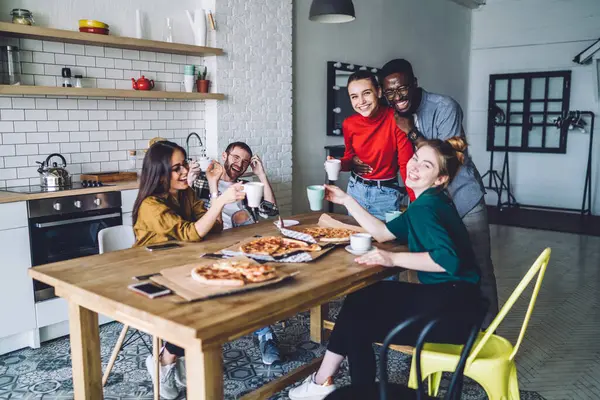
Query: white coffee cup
point(333, 168)
point(254, 193)
point(204, 163)
point(361, 241)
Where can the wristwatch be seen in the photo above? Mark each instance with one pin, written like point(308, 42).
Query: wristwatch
point(413, 135)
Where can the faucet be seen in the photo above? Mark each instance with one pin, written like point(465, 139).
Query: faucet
point(187, 143)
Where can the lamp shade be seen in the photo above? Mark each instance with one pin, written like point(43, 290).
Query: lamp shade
point(332, 11)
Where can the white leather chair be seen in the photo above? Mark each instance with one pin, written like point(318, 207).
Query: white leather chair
point(113, 239)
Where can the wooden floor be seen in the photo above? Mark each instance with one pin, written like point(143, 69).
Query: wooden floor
point(560, 356)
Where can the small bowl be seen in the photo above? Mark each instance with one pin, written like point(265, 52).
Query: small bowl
point(99, 31)
point(92, 23)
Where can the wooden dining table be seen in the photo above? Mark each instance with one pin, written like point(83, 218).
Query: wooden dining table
point(98, 285)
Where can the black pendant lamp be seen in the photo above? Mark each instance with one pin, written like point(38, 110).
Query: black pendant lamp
point(332, 11)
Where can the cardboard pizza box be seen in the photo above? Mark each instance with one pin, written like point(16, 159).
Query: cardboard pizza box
point(180, 281)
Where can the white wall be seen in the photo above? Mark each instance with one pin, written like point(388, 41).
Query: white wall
point(434, 35)
point(255, 75)
point(527, 36)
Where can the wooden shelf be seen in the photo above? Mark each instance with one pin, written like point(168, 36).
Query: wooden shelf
point(122, 42)
point(8, 90)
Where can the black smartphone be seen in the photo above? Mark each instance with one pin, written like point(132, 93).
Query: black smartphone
point(162, 246)
point(150, 289)
point(145, 277)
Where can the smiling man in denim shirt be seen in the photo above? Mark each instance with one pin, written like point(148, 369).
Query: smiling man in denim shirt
point(424, 115)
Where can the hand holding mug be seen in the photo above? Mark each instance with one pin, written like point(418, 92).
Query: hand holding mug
point(193, 172)
point(214, 171)
point(335, 195)
point(233, 193)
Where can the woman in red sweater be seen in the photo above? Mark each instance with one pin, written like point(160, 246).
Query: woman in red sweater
point(376, 149)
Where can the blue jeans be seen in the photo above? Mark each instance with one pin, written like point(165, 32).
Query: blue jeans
point(263, 331)
point(376, 200)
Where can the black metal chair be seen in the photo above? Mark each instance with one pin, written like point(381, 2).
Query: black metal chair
point(382, 389)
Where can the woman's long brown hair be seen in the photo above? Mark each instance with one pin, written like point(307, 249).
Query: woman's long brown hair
point(156, 173)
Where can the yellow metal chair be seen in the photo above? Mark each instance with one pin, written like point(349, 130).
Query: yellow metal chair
point(491, 363)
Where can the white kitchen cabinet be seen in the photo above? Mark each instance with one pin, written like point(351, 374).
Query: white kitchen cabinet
point(17, 312)
point(127, 219)
point(127, 199)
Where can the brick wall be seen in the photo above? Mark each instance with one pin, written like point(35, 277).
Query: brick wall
point(256, 74)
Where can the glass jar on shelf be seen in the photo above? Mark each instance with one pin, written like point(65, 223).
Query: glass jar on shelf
point(132, 158)
point(22, 16)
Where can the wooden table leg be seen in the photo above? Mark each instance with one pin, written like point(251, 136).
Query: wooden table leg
point(204, 372)
point(317, 315)
point(85, 353)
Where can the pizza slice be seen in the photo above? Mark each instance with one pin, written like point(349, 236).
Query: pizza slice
point(262, 246)
point(253, 273)
point(217, 277)
point(292, 245)
point(329, 234)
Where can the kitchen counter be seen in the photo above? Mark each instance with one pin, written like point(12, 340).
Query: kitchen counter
point(9, 197)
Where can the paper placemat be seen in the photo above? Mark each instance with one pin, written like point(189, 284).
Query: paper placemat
point(325, 221)
point(300, 256)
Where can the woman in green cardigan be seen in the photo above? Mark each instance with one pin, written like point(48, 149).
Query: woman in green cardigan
point(439, 249)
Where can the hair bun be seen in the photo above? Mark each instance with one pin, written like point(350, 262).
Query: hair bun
point(459, 144)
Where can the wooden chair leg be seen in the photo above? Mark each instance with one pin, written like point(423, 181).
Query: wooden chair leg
point(156, 355)
point(115, 353)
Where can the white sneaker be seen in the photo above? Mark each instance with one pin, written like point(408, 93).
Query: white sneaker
point(167, 388)
point(309, 390)
point(180, 372)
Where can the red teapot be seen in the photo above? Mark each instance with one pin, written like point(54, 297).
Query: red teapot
point(142, 83)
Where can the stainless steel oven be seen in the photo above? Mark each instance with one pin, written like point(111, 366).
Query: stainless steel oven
point(67, 227)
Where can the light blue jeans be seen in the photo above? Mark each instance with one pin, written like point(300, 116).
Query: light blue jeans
point(376, 200)
point(264, 331)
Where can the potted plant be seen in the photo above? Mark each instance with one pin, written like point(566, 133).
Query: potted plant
point(202, 84)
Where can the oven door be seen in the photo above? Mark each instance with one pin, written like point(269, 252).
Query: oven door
point(63, 237)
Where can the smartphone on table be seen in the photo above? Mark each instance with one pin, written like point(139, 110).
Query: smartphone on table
point(150, 289)
point(162, 246)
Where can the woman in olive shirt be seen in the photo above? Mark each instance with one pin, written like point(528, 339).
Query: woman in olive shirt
point(441, 252)
point(167, 209)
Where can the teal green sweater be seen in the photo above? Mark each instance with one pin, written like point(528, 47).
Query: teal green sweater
point(431, 224)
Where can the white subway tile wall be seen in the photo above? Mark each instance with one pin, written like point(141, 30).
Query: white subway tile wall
point(257, 70)
point(93, 134)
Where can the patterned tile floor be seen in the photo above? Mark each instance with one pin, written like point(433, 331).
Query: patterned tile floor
point(560, 357)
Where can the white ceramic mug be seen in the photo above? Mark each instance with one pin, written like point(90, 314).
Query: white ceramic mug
point(361, 241)
point(254, 193)
point(204, 163)
point(188, 83)
point(333, 168)
point(316, 194)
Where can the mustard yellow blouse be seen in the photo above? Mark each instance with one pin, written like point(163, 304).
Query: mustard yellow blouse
point(161, 219)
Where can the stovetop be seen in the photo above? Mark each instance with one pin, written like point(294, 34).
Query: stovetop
point(43, 189)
